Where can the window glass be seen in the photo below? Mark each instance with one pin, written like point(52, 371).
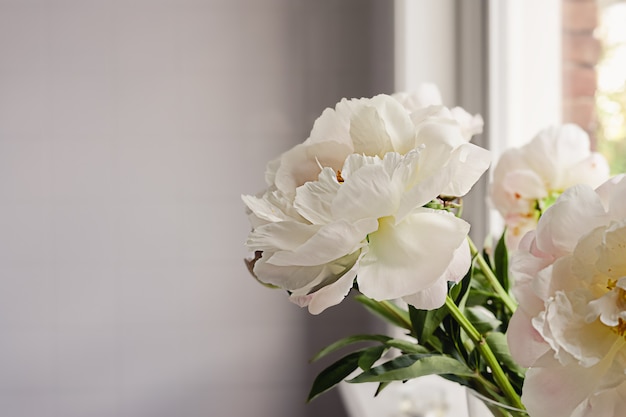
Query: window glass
point(611, 90)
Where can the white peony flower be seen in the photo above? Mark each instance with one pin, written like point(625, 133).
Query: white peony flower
point(570, 327)
point(428, 94)
point(373, 126)
point(528, 179)
point(365, 221)
point(348, 203)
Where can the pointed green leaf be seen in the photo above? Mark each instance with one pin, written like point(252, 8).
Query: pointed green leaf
point(498, 344)
point(387, 310)
point(501, 263)
point(381, 387)
point(334, 374)
point(425, 322)
point(370, 356)
point(483, 320)
point(348, 341)
point(406, 346)
point(407, 367)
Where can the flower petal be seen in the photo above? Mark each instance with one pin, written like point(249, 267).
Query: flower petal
point(430, 298)
point(302, 163)
point(469, 163)
point(555, 149)
point(556, 391)
point(367, 192)
point(575, 213)
point(524, 184)
point(410, 256)
point(314, 199)
point(613, 196)
point(461, 262)
point(330, 242)
point(525, 343)
point(332, 294)
point(290, 278)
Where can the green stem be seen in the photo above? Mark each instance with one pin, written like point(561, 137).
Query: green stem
point(491, 277)
point(486, 352)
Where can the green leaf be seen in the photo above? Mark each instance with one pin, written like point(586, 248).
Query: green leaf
point(348, 341)
point(334, 374)
point(370, 356)
point(387, 310)
point(498, 344)
point(407, 367)
point(459, 291)
point(501, 263)
point(381, 387)
point(406, 346)
point(425, 322)
point(456, 343)
point(483, 320)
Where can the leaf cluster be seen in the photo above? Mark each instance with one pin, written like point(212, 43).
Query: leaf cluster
point(432, 341)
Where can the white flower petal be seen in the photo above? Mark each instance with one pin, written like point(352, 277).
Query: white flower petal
point(330, 242)
point(332, 294)
point(566, 327)
point(410, 256)
point(285, 235)
point(314, 199)
point(368, 132)
point(333, 125)
point(525, 343)
point(613, 195)
point(397, 123)
point(593, 170)
point(612, 252)
point(469, 163)
point(565, 222)
point(460, 264)
point(430, 298)
point(470, 125)
point(368, 192)
point(264, 209)
point(291, 277)
point(524, 184)
point(554, 150)
point(558, 390)
point(302, 163)
point(426, 94)
point(607, 403)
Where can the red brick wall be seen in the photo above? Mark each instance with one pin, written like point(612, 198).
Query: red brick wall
point(581, 53)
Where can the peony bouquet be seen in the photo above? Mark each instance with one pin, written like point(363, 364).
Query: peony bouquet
point(370, 205)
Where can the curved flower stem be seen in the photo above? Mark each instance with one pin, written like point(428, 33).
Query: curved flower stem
point(491, 277)
point(486, 352)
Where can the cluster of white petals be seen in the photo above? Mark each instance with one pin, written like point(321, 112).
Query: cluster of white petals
point(528, 179)
point(428, 94)
point(348, 203)
point(570, 327)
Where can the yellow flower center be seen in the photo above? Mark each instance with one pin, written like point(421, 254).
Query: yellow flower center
point(620, 329)
point(611, 285)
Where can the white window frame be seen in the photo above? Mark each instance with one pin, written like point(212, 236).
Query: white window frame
point(521, 76)
point(525, 70)
point(525, 74)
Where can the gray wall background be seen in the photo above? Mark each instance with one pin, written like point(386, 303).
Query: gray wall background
point(128, 130)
